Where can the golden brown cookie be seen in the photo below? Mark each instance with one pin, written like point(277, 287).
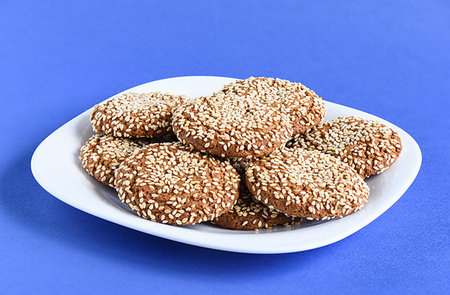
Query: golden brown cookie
point(135, 114)
point(304, 108)
point(102, 154)
point(230, 126)
point(170, 183)
point(368, 146)
point(306, 184)
point(249, 214)
point(250, 117)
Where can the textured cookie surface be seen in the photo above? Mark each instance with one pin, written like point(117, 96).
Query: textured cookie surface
point(250, 214)
point(102, 154)
point(368, 146)
point(231, 126)
point(304, 108)
point(170, 183)
point(306, 184)
point(135, 114)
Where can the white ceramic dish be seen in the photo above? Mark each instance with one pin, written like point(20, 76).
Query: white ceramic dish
point(56, 167)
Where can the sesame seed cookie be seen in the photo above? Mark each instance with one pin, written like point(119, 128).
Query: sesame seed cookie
point(171, 183)
point(368, 146)
point(135, 114)
point(102, 154)
point(250, 214)
point(250, 117)
point(306, 184)
point(301, 104)
point(231, 126)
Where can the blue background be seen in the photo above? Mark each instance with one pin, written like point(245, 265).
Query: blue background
point(389, 58)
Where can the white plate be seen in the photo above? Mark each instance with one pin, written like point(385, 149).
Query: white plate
point(56, 167)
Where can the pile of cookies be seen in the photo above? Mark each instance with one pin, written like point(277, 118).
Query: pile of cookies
point(254, 154)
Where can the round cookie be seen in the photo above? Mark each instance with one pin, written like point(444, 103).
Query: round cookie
point(249, 214)
point(231, 126)
point(135, 114)
point(304, 107)
point(102, 154)
point(306, 184)
point(250, 117)
point(170, 183)
point(368, 146)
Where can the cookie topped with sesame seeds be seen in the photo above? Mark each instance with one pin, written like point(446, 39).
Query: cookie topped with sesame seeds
point(250, 117)
point(135, 114)
point(230, 126)
point(303, 106)
point(249, 214)
point(306, 184)
point(170, 183)
point(102, 154)
point(368, 146)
